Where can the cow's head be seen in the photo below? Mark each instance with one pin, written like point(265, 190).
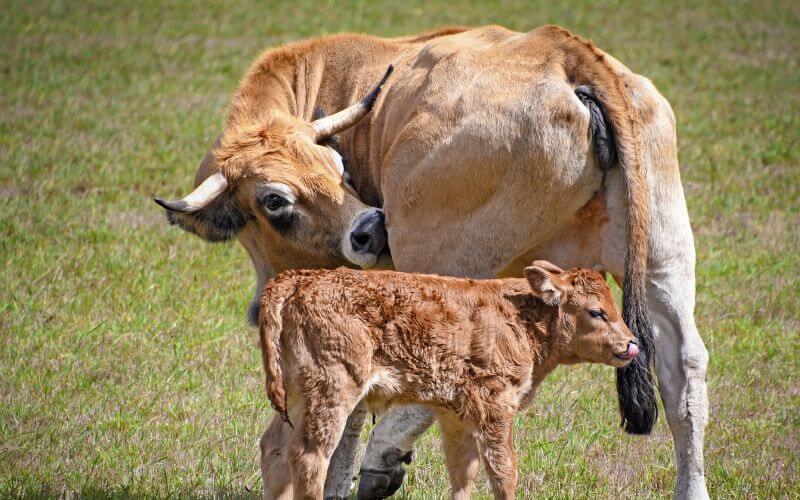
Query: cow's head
point(591, 327)
point(276, 186)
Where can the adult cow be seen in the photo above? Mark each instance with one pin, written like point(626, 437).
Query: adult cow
point(486, 149)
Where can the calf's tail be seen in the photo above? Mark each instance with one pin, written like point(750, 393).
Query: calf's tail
point(605, 92)
point(270, 328)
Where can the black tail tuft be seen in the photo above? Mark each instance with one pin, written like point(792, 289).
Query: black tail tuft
point(635, 384)
point(615, 128)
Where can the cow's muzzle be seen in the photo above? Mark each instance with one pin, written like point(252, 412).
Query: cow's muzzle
point(367, 238)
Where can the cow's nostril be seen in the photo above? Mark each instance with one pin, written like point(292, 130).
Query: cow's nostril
point(360, 241)
point(368, 236)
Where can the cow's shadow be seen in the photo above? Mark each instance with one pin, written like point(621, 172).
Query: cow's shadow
point(90, 492)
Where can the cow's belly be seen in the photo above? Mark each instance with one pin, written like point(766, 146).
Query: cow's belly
point(471, 189)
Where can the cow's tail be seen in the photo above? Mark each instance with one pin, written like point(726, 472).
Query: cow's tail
point(270, 328)
point(608, 92)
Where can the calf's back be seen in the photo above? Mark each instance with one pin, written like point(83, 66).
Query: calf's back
point(400, 337)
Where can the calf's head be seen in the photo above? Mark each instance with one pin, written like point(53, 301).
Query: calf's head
point(590, 325)
point(277, 186)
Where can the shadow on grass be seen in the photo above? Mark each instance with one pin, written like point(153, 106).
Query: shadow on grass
point(47, 492)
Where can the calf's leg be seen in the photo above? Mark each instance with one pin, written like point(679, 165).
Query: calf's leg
point(389, 448)
point(275, 473)
point(461, 456)
point(316, 435)
point(499, 458)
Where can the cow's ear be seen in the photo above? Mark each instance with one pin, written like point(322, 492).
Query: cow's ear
point(546, 284)
point(219, 221)
point(222, 218)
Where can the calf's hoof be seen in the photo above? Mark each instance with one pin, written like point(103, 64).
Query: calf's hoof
point(375, 484)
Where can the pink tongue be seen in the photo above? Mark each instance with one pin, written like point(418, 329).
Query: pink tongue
point(633, 350)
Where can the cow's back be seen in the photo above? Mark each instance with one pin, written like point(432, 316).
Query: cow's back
point(484, 150)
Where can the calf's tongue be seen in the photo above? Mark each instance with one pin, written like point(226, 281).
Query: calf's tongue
point(633, 351)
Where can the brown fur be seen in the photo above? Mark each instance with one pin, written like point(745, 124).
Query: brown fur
point(283, 87)
point(590, 217)
point(473, 351)
point(507, 190)
point(292, 80)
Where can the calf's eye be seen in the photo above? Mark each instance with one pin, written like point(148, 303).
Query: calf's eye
point(596, 313)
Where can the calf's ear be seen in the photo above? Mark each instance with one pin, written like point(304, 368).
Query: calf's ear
point(545, 283)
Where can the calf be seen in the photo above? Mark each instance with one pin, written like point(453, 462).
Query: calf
point(471, 351)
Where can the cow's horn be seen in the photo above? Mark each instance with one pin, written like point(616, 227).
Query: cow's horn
point(346, 118)
point(202, 195)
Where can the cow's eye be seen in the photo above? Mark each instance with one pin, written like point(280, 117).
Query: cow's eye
point(274, 202)
point(596, 313)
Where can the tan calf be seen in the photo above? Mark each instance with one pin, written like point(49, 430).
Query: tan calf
point(471, 351)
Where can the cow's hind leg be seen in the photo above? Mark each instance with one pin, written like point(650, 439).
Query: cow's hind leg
point(681, 362)
point(681, 358)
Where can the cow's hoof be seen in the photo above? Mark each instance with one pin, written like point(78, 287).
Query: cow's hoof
point(380, 484)
point(375, 484)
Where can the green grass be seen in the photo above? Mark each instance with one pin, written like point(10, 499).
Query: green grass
point(125, 363)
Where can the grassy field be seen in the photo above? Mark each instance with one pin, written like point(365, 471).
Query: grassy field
point(125, 363)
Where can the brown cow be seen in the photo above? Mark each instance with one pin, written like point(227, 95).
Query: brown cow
point(486, 149)
point(473, 352)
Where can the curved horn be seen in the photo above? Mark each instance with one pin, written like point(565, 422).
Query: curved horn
point(346, 118)
point(202, 195)
point(548, 266)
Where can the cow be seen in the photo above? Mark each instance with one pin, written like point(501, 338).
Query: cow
point(486, 149)
point(473, 352)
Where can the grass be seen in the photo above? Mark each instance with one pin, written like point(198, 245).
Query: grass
point(126, 367)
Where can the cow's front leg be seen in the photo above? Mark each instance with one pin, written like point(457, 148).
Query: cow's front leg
point(681, 362)
point(390, 447)
point(340, 472)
